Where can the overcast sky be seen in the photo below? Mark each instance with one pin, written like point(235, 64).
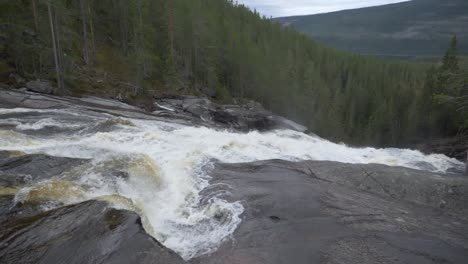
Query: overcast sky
point(277, 8)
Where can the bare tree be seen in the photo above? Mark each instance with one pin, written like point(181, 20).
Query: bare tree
point(171, 29)
point(141, 40)
point(34, 10)
point(91, 26)
point(55, 46)
point(59, 48)
point(123, 19)
point(84, 13)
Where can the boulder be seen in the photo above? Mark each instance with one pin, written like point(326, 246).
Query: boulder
point(89, 232)
point(40, 86)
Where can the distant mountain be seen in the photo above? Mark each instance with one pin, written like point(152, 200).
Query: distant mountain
point(402, 30)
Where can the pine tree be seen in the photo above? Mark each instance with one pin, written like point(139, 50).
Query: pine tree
point(450, 60)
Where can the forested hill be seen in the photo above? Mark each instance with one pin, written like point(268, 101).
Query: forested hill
point(402, 30)
point(136, 49)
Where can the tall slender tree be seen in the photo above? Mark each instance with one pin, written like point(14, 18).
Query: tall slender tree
point(34, 10)
point(91, 25)
point(84, 28)
point(55, 46)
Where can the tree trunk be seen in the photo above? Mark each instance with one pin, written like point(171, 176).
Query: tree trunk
point(37, 70)
point(123, 18)
point(59, 50)
point(171, 30)
point(54, 46)
point(91, 26)
point(141, 40)
point(139, 76)
point(85, 33)
point(466, 169)
point(34, 9)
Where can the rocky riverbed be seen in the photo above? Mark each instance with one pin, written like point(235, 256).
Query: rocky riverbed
point(88, 180)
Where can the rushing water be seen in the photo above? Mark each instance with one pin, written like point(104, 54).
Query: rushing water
point(157, 169)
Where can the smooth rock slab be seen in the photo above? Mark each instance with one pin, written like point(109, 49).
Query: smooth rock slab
point(329, 212)
point(237, 117)
point(188, 110)
point(22, 169)
point(88, 232)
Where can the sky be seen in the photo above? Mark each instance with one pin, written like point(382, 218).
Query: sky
point(278, 8)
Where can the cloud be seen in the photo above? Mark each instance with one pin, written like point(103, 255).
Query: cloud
point(277, 8)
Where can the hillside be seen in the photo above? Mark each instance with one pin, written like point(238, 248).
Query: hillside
point(136, 50)
point(402, 30)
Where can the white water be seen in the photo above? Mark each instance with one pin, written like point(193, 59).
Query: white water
point(164, 166)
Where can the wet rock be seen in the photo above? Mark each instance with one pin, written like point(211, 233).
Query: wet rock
point(455, 147)
point(198, 106)
point(108, 125)
point(90, 105)
point(10, 209)
point(238, 117)
point(395, 183)
point(328, 212)
point(244, 118)
point(22, 89)
point(105, 103)
point(10, 154)
point(17, 170)
point(189, 110)
point(89, 232)
point(9, 99)
point(295, 212)
point(5, 205)
point(40, 86)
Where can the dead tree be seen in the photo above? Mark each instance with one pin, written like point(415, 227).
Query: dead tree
point(84, 11)
point(55, 46)
point(34, 10)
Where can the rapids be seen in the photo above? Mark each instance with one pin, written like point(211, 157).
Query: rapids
point(159, 169)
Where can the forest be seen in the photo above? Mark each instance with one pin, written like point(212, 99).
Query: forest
point(137, 49)
point(401, 30)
